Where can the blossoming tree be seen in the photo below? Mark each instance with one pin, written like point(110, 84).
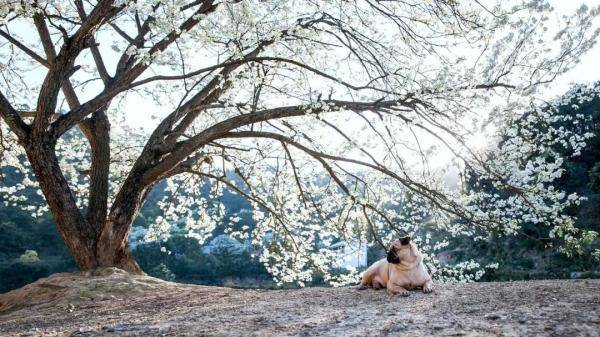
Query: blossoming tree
point(328, 113)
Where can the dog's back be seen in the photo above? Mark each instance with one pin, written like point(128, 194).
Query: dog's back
point(377, 271)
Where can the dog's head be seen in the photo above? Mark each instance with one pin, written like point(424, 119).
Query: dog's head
point(401, 250)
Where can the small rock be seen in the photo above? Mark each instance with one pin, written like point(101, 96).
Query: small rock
point(439, 326)
point(396, 328)
point(492, 316)
point(116, 328)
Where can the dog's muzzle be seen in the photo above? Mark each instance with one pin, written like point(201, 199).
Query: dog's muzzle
point(392, 257)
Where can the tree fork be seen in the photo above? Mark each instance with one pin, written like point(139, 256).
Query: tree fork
point(92, 246)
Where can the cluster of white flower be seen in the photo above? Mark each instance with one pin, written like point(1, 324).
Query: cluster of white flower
point(515, 185)
point(9, 8)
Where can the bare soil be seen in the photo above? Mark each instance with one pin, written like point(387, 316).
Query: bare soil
point(110, 302)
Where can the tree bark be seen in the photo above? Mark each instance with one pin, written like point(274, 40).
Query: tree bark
point(79, 237)
point(113, 247)
point(97, 131)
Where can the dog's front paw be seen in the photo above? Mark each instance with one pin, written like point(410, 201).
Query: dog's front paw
point(404, 293)
point(361, 287)
point(427, 287)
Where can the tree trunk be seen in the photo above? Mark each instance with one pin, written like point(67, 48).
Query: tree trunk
point(114, 252)
point(113, 248)
point(92, 246)
point(79, 237)
point(97, 131)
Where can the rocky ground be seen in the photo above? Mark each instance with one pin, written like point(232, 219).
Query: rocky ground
point(112, 302)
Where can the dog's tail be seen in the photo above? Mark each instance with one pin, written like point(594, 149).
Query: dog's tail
point(366, 280)
point(359, 285)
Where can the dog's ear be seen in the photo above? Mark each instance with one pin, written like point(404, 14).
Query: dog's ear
point(405, 240)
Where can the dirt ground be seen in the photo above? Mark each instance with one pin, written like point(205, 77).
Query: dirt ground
point(114, 303)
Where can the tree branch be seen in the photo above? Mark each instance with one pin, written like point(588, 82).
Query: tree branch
point(214, 132)
point(63, 62)
point(125, 74)
point(24, 48)
point(12, 118)
point(94, 47)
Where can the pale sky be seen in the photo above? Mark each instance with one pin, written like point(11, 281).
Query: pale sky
point(586, 72)
point(589, 68)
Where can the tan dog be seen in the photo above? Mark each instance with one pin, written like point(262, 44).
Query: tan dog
point(402, 270)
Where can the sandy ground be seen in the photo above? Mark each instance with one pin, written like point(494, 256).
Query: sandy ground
point(114, 303)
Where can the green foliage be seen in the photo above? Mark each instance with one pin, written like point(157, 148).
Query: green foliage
point(162, 272)
point(187, 262)
point(594, 176)
point(29, 248)
point(529, 255)
point(16, 274)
